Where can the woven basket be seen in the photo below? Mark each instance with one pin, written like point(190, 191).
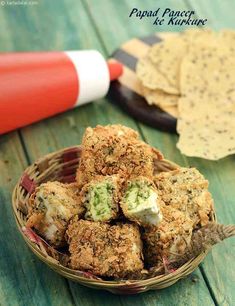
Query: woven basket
point(61, 166)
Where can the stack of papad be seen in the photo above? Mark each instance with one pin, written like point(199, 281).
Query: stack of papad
point(195, 73)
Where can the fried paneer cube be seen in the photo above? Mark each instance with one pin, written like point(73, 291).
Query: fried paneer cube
point(100, 198)
point(186, 205)
point(140, 201)
point(186, 190)
point(114, 149)
point(50, 209)
point(103, 249)
point(169, 239)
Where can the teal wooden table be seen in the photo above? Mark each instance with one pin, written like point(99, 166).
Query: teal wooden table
point(104, 25)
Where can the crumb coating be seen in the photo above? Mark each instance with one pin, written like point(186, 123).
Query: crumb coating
point(103, 249)
point(186, 205)
point(169, 238)
point(186, 189)
point(114, 149)
point(50, 209)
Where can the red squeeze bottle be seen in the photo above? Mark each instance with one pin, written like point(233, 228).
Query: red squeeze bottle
point(36, 85)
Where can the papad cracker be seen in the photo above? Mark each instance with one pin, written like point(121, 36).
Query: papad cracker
point(151, 77)
point(210, 70)
point(159, 97)
point(227, 37)
point(167, 102)
point(167, 56)
point(200, 65)
point(206, 122)
point(198, 38)
point(197, 32)
point(207, 136)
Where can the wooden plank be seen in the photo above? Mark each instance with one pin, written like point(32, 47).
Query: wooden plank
point(217, 266)
point(122, 27)
point(43, 137)
point(65, 129)
point(24, 280)
point(220, 174)
point(189, 291)
point(219, 13)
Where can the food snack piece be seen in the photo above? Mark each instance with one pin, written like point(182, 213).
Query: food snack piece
point(152, 78)
point(186, 190)
point(198, 39)
point(209, 137)
point(208, 69)
point(169, 239)
point(169, 59)
point(186, 205)
point(105, 250)
point(159, 97)
point(207, 109)
point(140, 201)
point(167, 56)
point(100, 198)
point(51, 207)
point(114, 149)
point(227, 36)
point(167, 102)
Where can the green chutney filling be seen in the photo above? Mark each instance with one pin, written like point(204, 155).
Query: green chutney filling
point(137, 194)
point(100, 201)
